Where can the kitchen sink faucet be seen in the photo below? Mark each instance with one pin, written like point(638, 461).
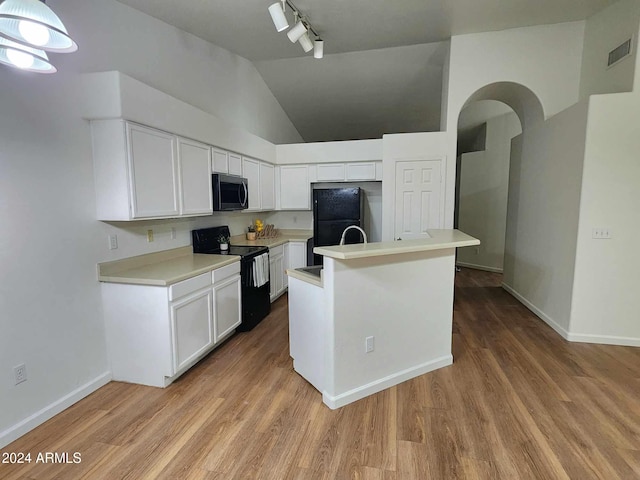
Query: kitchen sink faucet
point(364, 235)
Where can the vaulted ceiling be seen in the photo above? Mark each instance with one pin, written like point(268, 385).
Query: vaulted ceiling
point(382, 70)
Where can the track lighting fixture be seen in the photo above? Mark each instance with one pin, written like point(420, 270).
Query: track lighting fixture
point(300, 31)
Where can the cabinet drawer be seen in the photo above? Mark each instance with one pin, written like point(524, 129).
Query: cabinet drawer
point(189, 286)
point(221, 273)
point(276, 251)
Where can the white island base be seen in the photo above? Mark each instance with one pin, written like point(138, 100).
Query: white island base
point(399, 293)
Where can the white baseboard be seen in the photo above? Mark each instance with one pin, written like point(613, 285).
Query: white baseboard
point(604, 339)
point(539, 313)
point(479, 267)
point(376, 386)
point(51, 410)
point(570, 336)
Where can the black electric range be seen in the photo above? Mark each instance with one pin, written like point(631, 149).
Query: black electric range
point(256, 303)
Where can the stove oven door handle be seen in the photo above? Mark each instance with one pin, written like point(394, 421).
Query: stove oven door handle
point(243, 202)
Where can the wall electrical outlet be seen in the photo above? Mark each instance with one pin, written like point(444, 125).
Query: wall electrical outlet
point(173, 233)
point(149, 236)
point(369, 345)
point(601, 233)
point(113, 242)
point(20, 373)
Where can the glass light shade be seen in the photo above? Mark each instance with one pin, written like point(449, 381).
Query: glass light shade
point(277, 15)
point(306, 43)
point(25, 58)
point(318, 49)
point(22, 21)
point(296, 32)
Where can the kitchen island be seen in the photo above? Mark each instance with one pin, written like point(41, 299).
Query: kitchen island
point(378, 314)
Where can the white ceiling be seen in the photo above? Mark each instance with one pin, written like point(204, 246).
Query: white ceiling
point(351, 95)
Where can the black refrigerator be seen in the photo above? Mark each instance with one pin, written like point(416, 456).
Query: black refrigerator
point(334, 209)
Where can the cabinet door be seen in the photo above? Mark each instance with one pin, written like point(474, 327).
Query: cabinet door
point(227, 307)
point(361, 171)
point(295, 188)
point(235, 164)
point(285, 265)
point(297, 254)
point(267, 187)
point(251, 171)
point(220, 161)
point(194, 160)
point(153, 169)
point(192, 327)
point(330, 172)
point(276, 274)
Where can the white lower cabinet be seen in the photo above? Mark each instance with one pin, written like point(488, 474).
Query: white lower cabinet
point(191, 327)
point(227, 313)
point(297, 255)
point(276, 271)
point(155, 334)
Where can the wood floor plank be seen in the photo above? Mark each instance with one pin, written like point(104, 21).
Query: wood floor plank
point(519, 402)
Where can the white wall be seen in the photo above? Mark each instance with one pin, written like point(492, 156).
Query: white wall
point(605, 294)
point(50, 298)
point(542, 216)
point(484, 185)
point(322, 152)
point(605, 31)
point(545, 59)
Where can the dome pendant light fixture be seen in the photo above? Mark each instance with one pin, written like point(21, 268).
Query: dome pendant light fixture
point(24, 58)
point(33, 24)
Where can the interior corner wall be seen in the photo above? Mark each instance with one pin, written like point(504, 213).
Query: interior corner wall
point(545, 182)
point(605, 294)
point(484, 182)
point(605, 31)
point(51, 305)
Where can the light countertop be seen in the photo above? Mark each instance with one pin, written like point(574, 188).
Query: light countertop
point(162, 268)
point(305, 277)
point(284, 236)
point(439, 239)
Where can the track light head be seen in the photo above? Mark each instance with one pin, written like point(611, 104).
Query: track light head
point(318, 48)
point(277, 15)
point(296, 32)
point(306, 43)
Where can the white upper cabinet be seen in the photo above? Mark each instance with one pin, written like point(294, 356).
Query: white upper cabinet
point(220, 159)
point(346, 172)
point(360, 171)
point(294, 187)
point(194, 160)
point(141, 172)
point(251, 171)
point(235, 164)
point(261, 183)
point(330, 172)
point(267, 186)
point(153, 172)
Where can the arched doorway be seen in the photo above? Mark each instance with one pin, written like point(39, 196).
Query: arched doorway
point(488, 121)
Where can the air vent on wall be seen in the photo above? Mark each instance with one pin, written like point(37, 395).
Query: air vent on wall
point(620, 52)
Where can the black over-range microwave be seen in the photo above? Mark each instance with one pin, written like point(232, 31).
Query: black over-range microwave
point(230, 192)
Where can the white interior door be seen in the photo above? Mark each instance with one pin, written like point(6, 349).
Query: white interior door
point(418, 198)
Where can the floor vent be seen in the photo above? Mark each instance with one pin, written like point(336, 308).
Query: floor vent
point(618, 53)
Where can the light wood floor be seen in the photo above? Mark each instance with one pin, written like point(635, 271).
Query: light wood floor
point(519, 402)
